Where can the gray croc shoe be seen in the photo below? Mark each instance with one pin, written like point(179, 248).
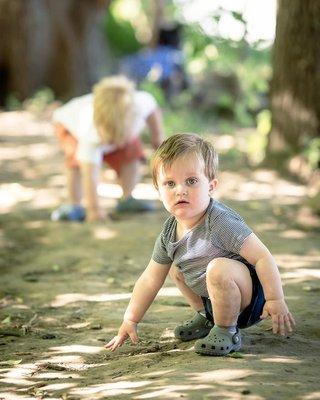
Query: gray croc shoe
point(131, 205)
point(219, 342)
point(196, 327)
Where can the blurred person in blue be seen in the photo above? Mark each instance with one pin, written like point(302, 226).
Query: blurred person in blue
point(163, 64)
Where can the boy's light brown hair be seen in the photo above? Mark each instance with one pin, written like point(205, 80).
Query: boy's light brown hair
point(113, 108)
point(180, 145)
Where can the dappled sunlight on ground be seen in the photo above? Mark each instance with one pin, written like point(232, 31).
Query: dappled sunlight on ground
point(221, 375)
point(76, 348)
point(58, 386)
point(38, 152)
point(110, 389)
point(301, 274)
point(266, 186)
point(13, 194)
point(23, 123)
point(65, 286)
point(293, 261)
point(283, 360)
point(19, 372)
point(312, 396)
point(104, 233)
point(68, 298)
point(292, 234)
point(66, 360)
point(171, 391)
point(298, 269)
point(159, 373)
point(144, 191)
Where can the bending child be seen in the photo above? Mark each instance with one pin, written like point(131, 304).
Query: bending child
point(225, 272)
point(104, 126)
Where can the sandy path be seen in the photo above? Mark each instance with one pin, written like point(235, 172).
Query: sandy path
point(64, 287)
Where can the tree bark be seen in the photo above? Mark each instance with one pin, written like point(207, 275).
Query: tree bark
point(52, 43)
point(295, 86)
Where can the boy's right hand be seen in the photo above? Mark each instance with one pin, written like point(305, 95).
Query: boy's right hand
point(127, 329)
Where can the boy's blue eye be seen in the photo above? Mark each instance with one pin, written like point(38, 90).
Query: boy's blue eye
point(191, 181)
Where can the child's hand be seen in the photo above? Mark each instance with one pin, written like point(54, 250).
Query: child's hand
point(282, 320)
point(127, 329)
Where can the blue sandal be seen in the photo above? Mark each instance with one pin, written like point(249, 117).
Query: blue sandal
point(69, 213)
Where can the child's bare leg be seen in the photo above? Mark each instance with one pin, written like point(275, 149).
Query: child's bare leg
point(230, 289)
point(129, 176)
point(198, 326)
point(193, 299)
point(74, 185)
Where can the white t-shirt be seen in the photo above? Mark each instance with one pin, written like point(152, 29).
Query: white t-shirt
point(77, 117)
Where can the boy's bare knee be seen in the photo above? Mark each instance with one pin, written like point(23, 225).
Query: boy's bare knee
point(217, 266)
point(219, 273)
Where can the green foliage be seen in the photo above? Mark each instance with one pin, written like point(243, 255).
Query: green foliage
point(206, 53)
point(120, 33)
point(312, 153)
point(155, 90)
point(186, 120)
point(225, 100)
point(225, 127)
point(257, 141)
point(248, 63)
point(40, 100)
point(36, 103)
point(12, 102)
point(242, 116)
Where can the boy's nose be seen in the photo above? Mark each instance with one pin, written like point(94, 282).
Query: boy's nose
point(181, 190)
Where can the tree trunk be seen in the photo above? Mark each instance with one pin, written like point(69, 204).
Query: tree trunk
point(52, 43)
point(295, 85)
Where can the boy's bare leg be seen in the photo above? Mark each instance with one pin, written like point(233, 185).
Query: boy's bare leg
point(74, 185)
point(230, 289)
point(129, 176)
point(193, 299)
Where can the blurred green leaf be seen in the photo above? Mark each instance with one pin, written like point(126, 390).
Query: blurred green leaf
point(6, 321)
point(235, 355)
point(121, 34)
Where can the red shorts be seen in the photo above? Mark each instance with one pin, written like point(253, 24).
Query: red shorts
point(124, 155)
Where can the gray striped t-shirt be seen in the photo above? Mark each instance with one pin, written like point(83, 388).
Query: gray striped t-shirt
point(220, 234)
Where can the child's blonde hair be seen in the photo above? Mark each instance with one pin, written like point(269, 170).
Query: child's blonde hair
point(113, 108)
point(180, 145)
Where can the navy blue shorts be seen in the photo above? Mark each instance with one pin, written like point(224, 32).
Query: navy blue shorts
point(251, 314)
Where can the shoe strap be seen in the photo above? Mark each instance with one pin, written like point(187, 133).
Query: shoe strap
point(236, 337)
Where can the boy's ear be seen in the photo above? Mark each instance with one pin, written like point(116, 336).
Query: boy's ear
point(213, 185)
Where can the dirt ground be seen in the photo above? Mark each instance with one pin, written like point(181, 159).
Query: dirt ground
point(64, 287)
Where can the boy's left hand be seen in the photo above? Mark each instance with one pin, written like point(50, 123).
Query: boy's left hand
point(282, 320)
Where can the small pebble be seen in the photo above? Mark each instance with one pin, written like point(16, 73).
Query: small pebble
point(49, 336)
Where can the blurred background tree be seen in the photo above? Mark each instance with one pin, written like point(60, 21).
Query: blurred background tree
point(51, 43)
point(294, 140)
